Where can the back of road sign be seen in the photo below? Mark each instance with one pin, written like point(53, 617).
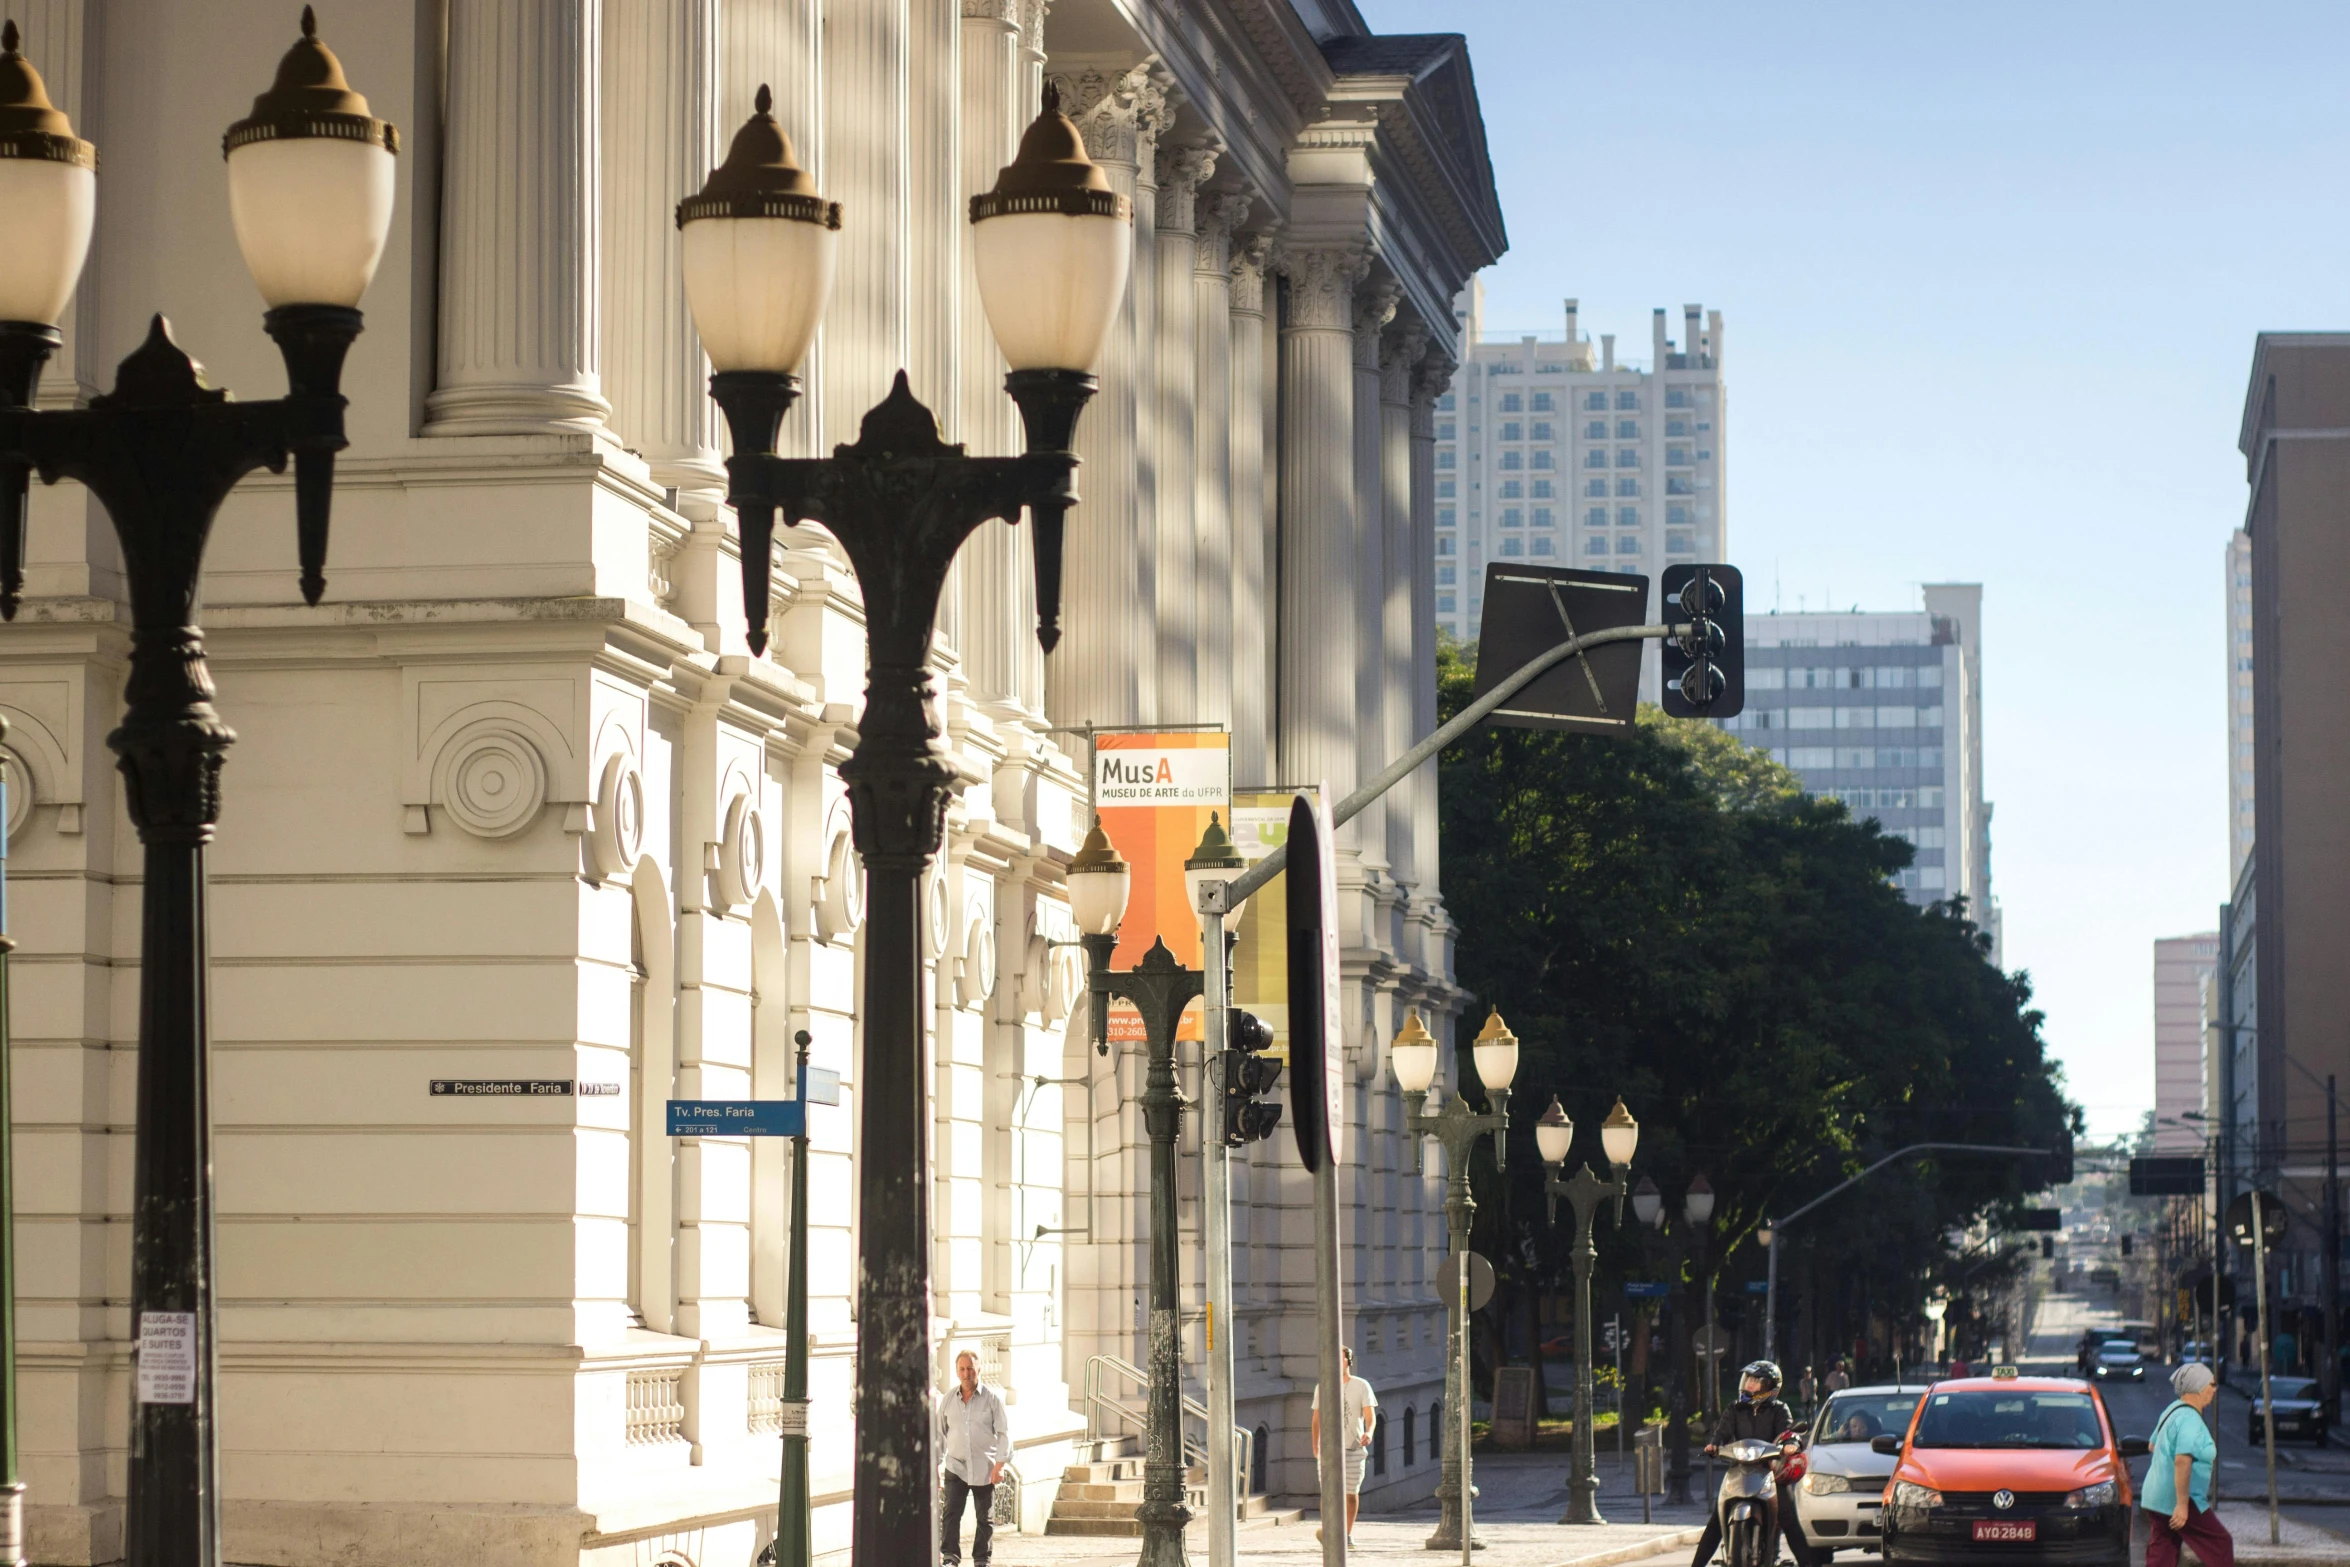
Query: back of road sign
point(1531, 609)
point(1448, 1280)
point(1317, 1082)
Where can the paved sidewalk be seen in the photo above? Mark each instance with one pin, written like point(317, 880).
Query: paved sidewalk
point(2299, 1544)
point(1520, 1497)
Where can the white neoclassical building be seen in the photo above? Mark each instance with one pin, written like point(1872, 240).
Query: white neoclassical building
point(517, 802)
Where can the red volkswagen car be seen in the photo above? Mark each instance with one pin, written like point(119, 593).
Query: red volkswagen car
point(2007, 1464)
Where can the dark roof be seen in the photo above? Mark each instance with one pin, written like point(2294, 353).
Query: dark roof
point(1393, 54)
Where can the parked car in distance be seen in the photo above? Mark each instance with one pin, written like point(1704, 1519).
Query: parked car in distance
point(2300, 1412)
point(1843, 1487)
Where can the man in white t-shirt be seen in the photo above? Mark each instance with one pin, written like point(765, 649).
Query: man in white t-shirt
point(1361, 1410)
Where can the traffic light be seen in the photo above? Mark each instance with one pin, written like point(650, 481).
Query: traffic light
point(1248, 1076)
point(2125, 1245)
point(2047, 1245)
point(1705, 670)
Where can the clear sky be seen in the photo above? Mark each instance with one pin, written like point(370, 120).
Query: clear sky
point(1989, 277)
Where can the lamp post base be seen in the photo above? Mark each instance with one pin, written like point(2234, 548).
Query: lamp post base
point(1448, 1518)
point(1583, 1502)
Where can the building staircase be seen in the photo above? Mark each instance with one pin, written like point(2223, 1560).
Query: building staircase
point(1101, 1493)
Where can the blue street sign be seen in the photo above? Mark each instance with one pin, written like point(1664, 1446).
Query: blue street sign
point(737, 1118)
point(1758, 1286)
point(1640, 1290)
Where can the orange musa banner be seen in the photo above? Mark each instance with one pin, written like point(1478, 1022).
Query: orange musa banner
point(1154, 793)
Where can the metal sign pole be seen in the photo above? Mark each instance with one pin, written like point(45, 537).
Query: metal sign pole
point(1223, 1485)
point(2268, 1405)
point(794, 1541)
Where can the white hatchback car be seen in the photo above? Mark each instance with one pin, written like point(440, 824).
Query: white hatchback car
point(1843, 1488)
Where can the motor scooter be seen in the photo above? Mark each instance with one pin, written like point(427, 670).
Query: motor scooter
point(1747, 1505)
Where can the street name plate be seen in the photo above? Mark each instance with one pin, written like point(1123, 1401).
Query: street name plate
point(508, 1087)
point(791, 1417)
point(167, 1357)
point(1642, 1289)
point(737, 1118)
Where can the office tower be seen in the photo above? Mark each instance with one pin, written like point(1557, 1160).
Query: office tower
point(2239, 700)
point(1885, 712)
point(2297, 468)
point(2183, 967)
point(1553, 452)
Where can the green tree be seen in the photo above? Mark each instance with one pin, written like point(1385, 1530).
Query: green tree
point(1668, 917)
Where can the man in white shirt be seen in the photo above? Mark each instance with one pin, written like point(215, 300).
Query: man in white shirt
point(974, 1441)
point(1360, 1409)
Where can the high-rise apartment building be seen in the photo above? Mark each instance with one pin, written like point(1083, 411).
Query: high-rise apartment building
point(2295, 438)
point(2239, 700)
point(2183, 967)
point(1549, 451)
point(1885, 712)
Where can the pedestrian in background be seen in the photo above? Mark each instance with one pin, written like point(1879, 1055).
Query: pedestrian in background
point(1359, 1408)
point(2177, 1493)
point(974, 1441)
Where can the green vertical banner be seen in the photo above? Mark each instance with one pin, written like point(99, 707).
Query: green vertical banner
point(1260, 963)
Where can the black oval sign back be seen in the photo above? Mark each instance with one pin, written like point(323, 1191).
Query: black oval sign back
point(1313, 1076)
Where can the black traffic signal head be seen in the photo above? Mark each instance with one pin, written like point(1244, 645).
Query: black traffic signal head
point(1705, 667)
point(2047, 1245)
point(1248, 1077)
point(1248, 1031)
point(2125, 1245)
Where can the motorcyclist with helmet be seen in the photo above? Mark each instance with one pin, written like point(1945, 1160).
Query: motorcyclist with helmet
point(1760, 1415)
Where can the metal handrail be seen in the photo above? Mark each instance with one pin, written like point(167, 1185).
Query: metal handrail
point(1099, 1402)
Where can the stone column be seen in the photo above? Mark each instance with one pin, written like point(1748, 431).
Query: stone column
point(773, 44)
point(1181, 172)
point(1374, 308)
point(1319, 613)
point(936, 220)
point(866, 169)
point(1429, 379)
point(660, 132)
point(1398, 355)
point(520, 191)
point(999, 590)
point(1103, 672)
point(1028, 661)
point(1211, 501)
point(1250, 666)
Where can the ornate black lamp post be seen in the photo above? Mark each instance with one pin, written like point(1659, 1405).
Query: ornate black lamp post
point(1051, 243)
point(1456, 1127)
point(1554, 1135)
point(1160, 989)
point(310, 191)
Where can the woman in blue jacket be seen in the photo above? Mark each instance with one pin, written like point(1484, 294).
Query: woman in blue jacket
point(2177, 1494)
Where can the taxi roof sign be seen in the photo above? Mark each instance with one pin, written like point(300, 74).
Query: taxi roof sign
point(2003, 1373)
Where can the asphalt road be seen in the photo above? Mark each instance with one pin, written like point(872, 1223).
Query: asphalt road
point(2313, 1483)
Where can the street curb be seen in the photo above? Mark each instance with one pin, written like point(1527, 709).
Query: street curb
point(1657, 1545)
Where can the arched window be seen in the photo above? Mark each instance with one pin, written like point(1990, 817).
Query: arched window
point(1379, 1447)
point(1410, 1418)
point(1260, 1469)
point(1436, 1416)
